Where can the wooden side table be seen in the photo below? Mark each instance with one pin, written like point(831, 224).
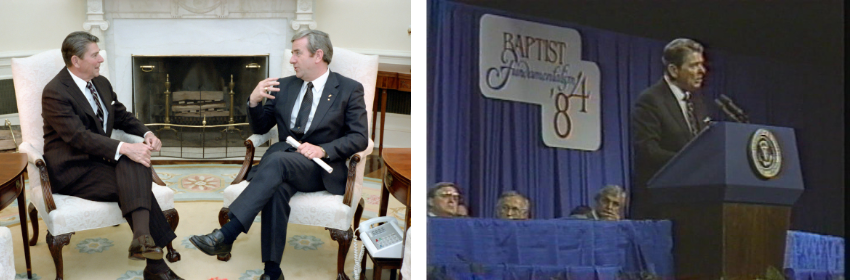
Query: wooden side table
point(12, 167)
point(396, 181)
point(385, 81)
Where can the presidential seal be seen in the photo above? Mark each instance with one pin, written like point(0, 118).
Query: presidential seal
point(765, 154)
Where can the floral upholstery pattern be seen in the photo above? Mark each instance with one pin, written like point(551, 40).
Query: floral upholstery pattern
point(323, 208)
point(7, 256)
point(30, 75)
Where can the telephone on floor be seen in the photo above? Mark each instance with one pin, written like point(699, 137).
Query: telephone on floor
point(383, 241)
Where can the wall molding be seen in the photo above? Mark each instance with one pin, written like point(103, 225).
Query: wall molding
point(387, 56)
point(6, 61)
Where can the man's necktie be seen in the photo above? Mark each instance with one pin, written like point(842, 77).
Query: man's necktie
point(96, 101)
point(304, 112)
point(692, 120)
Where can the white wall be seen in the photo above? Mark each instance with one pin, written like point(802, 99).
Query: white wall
point(368, 26)
point(373, 25)
point(34, 25)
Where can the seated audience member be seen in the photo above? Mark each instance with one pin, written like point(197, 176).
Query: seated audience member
point(443, 200)
point(609, 205)
point(512, 206)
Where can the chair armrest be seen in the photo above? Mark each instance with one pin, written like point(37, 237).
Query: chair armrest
point(253, 141)
point(32, 154)
point(352, 175)
point(36, 158)
point(248, 162)
point(259, 139)
point(122, 136)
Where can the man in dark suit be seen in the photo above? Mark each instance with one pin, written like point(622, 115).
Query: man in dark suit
point(321, 109)
point(80, 111)
point(667, 116)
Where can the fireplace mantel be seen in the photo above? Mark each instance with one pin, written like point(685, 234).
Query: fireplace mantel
point(193, 27)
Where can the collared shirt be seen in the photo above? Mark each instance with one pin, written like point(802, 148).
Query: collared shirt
point(88, 95)
point(680, 97)
point(318, 87)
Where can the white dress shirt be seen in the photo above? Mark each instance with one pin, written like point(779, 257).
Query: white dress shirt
point(318, 87)
point(88, 95)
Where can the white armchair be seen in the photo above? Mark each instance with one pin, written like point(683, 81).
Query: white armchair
point(334, 212)
point(64, 214)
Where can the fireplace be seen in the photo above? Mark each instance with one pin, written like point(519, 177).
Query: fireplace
point(197, 104)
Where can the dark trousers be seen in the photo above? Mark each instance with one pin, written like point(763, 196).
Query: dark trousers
point(279, 176)
point(132, 192)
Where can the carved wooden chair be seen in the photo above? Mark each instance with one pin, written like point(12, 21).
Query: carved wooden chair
point(64, 215)
point(334, 212)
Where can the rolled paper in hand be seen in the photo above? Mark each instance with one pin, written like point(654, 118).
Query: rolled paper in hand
point(318, 161)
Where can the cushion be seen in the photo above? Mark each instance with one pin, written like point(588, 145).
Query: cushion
point(313, 209)
point(7, 256)
point(77, 214)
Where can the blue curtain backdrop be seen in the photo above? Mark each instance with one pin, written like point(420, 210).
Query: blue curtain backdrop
point(489, 146)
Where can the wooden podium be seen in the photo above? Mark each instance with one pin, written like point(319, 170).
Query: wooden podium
point(730, 213)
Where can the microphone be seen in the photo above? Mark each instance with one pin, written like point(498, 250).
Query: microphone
point(726, 110)
point(740, 113)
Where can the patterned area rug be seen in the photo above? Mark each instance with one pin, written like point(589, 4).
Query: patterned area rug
point(101, 253)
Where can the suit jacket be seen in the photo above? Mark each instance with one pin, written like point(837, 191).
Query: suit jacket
point(660, 130)
point(73, 136)
point(339, 124)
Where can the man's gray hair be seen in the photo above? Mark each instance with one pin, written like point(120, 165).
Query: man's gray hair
point(316, 40)
point(676, 50)
point(76, 44)
point(507, 194)
point(610, 190)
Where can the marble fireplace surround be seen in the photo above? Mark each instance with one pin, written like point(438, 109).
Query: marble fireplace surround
point(192, 27)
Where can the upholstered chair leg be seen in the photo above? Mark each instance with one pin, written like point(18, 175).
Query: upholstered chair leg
point(173, 219)
point(344, 240)
point(357, 214)
point(55, 245)
point(223, 218)
point(34, 220)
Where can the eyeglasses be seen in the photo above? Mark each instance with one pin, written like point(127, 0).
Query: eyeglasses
point(449, 194)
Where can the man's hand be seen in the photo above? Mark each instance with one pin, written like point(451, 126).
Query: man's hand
point(138, 152)
point(310, 151)
point(609, 216)
point(152, 142)
point(262, 90)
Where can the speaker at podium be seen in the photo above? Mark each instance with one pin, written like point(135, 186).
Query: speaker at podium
point(729, 193)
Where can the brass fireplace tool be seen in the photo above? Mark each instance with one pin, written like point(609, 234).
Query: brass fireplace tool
point(232, 127)
point(168, 109)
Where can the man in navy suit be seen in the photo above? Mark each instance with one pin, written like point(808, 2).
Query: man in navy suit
point(321, 109)
point(667, 116)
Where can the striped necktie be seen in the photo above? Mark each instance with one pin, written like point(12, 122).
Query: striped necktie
point(691, 118)
point(96, 101)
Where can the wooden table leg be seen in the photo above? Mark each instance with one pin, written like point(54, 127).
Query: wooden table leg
point(385, 200)
point(375, 111)
point(24, 227)
point(383, 119)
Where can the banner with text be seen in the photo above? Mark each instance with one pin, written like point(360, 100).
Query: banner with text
point(541, 64)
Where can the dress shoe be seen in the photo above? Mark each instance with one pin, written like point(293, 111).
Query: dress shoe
point(167, 275)
point(211, 244)
point(144, 248)
point(266, 277)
